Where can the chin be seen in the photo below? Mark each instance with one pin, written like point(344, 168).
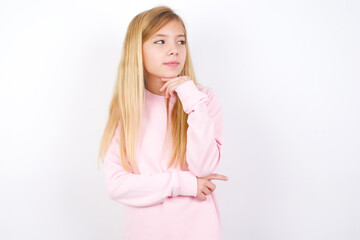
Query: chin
point(171, 75)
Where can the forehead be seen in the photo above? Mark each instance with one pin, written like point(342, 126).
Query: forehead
point(173, 27)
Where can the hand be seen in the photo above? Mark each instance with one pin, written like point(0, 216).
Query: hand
point(172, 83)
point(205, 186)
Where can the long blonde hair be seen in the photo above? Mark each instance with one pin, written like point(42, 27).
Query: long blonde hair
point(129, 95)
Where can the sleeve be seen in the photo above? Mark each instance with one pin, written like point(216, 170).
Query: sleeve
point(205, 134)
point(143, 189)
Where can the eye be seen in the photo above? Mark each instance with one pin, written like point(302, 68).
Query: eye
point(182, 41)
point(159, 41)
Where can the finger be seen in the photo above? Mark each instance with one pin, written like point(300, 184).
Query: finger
point(163, 87)
point(218, 177)
point(211, 189)
point(168, 78)
point(206, 191)
point(174, 85)
point(202, 197)
point(211, 186)
point(167, 87)
point(184, 78)
point(171, 91)
point(168, 93)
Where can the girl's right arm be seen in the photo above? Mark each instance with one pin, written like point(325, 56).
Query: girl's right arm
point(144, 189)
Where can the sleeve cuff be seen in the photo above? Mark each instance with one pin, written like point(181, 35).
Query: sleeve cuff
point(190, 96)
point(187, 184)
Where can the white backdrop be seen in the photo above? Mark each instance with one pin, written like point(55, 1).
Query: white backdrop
point(287, 73)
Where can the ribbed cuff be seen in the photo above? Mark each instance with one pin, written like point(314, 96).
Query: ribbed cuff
point(187, 184)
point(190, 96)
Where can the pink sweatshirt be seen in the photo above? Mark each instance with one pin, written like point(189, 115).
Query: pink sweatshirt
point(161, 203)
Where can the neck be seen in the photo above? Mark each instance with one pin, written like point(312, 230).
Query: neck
point(153, 84)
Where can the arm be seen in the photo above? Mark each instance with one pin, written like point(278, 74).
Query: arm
point(143, 189)
point(205, 135)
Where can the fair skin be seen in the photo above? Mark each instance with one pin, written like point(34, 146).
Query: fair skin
point(157, 51)
point(162, 79)
point(205, 186)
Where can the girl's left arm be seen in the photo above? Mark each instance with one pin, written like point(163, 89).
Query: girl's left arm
point(205, 135)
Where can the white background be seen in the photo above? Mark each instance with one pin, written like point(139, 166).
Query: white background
point(287, 73)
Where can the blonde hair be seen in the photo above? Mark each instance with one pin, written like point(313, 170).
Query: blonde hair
point(129, 95)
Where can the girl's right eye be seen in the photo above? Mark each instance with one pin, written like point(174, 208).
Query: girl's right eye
point(159, 41)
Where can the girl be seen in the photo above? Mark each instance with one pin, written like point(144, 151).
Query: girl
point(167, 191)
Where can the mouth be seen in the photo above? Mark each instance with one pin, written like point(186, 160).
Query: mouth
point(172, 64)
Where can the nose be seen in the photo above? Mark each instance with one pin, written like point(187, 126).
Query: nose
point(173, 51)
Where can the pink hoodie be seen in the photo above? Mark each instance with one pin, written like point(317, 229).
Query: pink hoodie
point(161, 203)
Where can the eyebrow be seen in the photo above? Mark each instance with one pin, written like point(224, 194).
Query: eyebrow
point(164, 35)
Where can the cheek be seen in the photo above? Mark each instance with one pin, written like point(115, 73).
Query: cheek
point(183, 54)
point(147, 59)
point(153, 61)
point(153, 57)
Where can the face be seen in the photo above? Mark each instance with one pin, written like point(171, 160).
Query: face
point(166, 45)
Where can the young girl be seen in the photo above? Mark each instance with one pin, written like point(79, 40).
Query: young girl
point(164, 137)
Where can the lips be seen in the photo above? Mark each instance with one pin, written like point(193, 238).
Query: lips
point(172, 64)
